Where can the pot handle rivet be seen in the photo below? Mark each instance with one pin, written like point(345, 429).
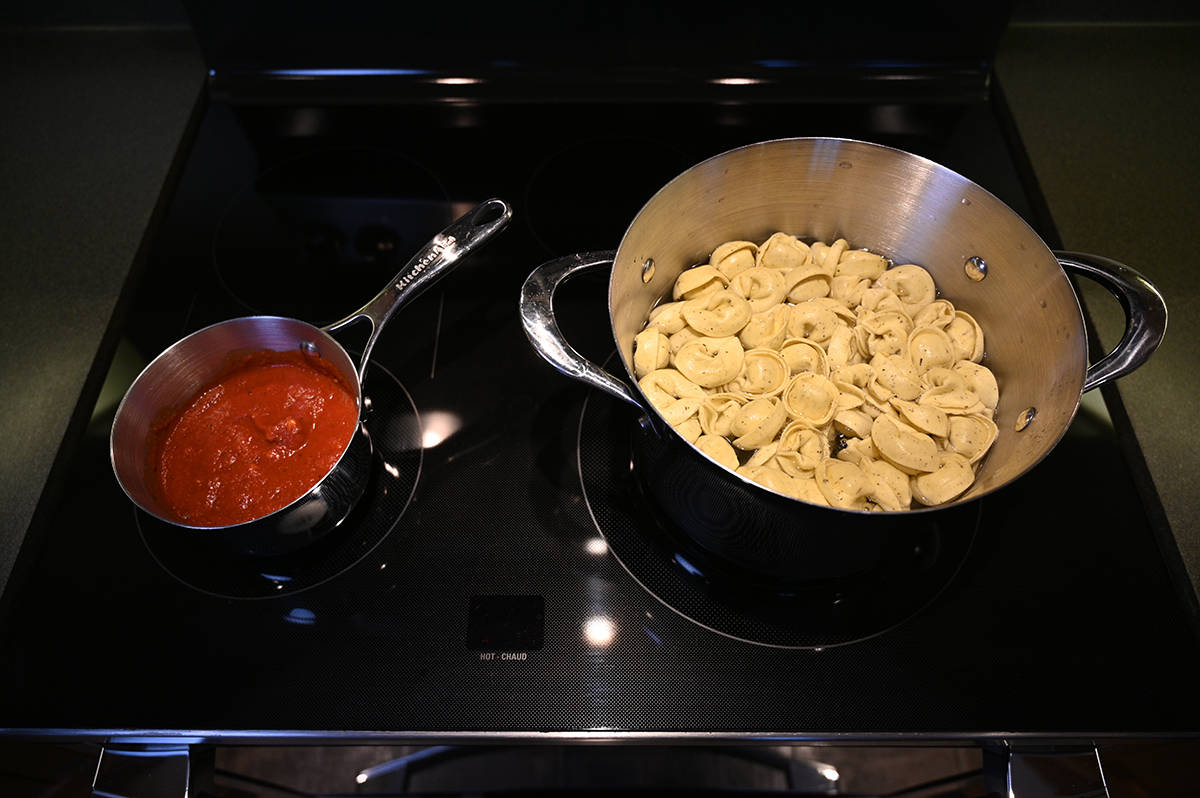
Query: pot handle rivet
point(976, 268)
point(648, 270)
point(1025, 418)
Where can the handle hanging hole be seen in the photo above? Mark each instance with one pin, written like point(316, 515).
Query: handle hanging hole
point(488, 213)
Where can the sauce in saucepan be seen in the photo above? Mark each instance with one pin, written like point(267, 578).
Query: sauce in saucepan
point(257, 438)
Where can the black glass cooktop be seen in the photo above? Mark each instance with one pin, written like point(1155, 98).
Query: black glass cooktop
point(504, 572)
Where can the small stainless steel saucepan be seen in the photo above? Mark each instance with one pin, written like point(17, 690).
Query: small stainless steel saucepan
point(186, 367)
point(983, 257)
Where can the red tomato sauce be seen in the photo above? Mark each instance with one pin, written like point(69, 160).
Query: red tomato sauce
point(259, 437)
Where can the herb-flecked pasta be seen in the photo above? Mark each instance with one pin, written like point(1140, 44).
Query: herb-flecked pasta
point(822, 372)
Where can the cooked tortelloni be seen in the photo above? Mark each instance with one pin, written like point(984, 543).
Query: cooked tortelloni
point(823, 373)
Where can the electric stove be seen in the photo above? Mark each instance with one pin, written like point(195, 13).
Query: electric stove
point(505, 574)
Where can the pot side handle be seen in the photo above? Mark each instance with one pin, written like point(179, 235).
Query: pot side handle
point(541, 328)
point(1145, 314)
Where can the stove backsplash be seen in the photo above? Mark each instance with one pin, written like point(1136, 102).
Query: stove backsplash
point(548, 36)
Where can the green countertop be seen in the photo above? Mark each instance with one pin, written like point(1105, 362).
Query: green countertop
point(92, 121)
point(1107, 114)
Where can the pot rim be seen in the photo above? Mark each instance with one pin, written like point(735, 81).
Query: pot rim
point(647, 407)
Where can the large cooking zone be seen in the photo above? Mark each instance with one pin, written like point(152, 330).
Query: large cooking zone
point(518, 562)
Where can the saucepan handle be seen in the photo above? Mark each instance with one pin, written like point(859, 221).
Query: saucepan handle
point(537, 317)
point(1145, 314)
point(427, 266)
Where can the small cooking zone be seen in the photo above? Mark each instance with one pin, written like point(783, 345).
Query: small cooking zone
point(528, 555)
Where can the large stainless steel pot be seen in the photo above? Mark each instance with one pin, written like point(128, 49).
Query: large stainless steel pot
point(983, 257)
point(184, 368)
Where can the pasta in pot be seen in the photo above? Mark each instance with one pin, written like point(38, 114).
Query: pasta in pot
point(823, 373)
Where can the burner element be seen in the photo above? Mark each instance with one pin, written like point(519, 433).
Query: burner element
point(731, 601)
point(209, 567)
point(316, 237)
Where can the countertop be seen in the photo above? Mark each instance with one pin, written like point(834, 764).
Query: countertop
point(93, 121)
point(1105, 114)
